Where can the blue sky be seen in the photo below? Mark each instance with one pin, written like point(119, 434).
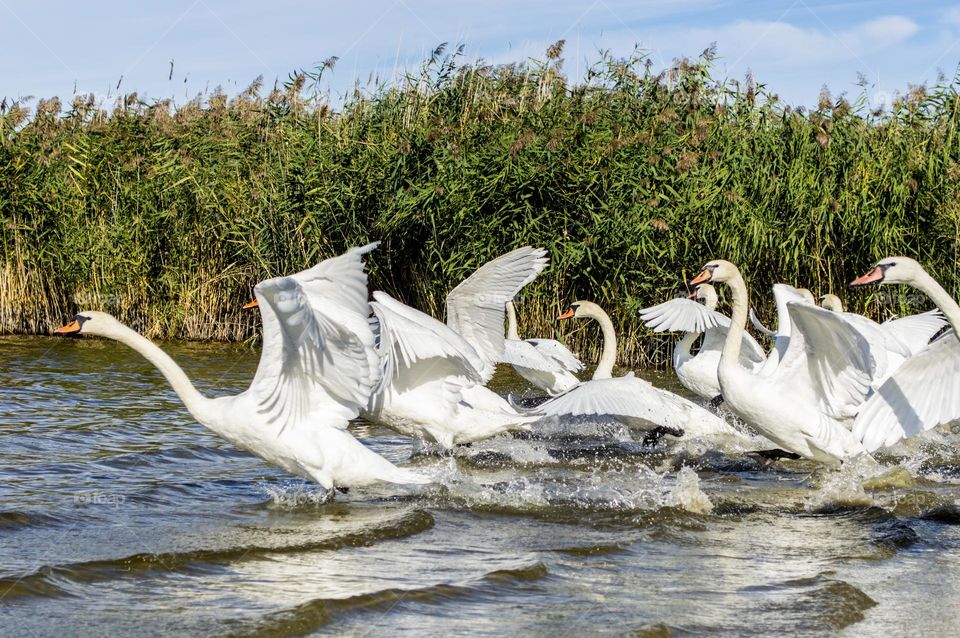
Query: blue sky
point(794, 46)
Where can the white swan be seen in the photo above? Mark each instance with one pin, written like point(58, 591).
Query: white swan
point(698, 372)
point(925, 391)
point(314, 376)
point(628, 399)
point(803, 404)
point(546, 363)
point(433, 374)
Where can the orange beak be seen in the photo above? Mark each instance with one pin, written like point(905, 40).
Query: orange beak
point(252, 304)
point(568, 314)
point(693, 294)
point(71, 328)
point(702, 278)
point(875, 276)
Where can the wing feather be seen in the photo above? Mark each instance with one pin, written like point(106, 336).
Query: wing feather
point(921, 394)
point(475, 308)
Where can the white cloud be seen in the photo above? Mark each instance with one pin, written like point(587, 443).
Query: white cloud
point(789, 45)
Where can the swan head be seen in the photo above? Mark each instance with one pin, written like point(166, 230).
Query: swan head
point(717, 270)
point(705, 294)
point(891, 270)
point(583, 310)
point(831, 302)
point(807, 296)
point(91, 322)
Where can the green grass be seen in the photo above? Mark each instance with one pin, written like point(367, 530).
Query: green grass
point(631, 179)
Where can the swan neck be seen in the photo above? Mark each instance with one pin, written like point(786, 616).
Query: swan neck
point(681, 352)
point(608, 356)
point(929, 286)
point(195, 402)
point(730, 357)
point(512, 322)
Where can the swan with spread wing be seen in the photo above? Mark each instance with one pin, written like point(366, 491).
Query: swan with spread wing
point(698, 372)
point(433, 375)
point(315, 374)
point(806, 399)
point(628, 399)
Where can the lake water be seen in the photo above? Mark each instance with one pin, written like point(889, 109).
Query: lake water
point(121, 516)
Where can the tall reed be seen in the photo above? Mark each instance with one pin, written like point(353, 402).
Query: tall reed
point(631, 178)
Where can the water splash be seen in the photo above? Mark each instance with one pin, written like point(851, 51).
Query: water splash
point(686, 493)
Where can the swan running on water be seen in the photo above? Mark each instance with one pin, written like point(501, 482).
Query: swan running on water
point(315, 374)
point(629, 399)
point(805, 402)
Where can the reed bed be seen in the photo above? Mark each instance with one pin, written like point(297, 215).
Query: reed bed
point(631, 178)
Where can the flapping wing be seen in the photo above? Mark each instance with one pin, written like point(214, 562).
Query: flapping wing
point(340, 281)
point(559, 353)
point(835, 355)
point(762, 329)
point(409, 337)
point(308, 360)
point(475, 308)
point(682, 315)
point(623, 397)
point(921, 394)
point(525, 355)
point(916, 331)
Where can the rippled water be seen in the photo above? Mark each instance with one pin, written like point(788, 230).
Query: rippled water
point(120, 515)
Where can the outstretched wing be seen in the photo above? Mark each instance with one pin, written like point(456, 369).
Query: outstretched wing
point(834, 356)
point(414, 346)
point(558, 352)
point(339, 281)
point(762, 329)
point(921, 394)
point(682, 315)
point(309, 360)
point(916, 331)
point(475, 308)
point(525, 355)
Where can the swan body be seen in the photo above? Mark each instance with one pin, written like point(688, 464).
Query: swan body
point(628, 399)
point(314, 375)
point(698, 372)
point(925, 391)
point(432, 374)
point(804, 403)
point(546, 363)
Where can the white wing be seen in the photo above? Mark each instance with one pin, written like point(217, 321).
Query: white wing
point(308, 361)
point(339, 280)
point(542, 371)
point(686, 315)
point(558, 352)
point(783, 294)
point(916, 331)
point(525, 355)
point(631, 398)
point(831, 356)
point(475, 308)
point(682, 315)
point(409, 338)
point(762, 329)
point(923, 393)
